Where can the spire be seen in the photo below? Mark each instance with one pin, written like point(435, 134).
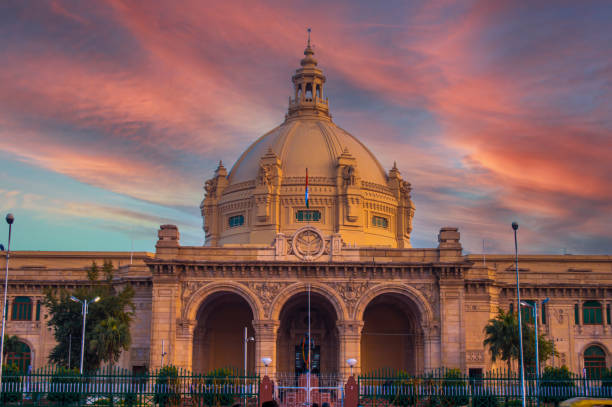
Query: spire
point(308, 81)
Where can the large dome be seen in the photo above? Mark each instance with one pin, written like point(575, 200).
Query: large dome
point(312, 143)
point(307, 177)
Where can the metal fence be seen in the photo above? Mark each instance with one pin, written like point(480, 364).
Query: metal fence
point(117, 387)
point(449, 387)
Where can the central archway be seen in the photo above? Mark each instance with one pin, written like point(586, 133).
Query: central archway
point(218, 338)
point(291, 338)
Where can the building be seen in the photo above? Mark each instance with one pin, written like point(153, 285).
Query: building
point(344, 246)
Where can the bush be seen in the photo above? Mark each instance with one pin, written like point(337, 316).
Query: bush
point(64, 387)
point(167, 387)
point(11, 378)
point(207, 390)
point(556, 385)
point(485, 400)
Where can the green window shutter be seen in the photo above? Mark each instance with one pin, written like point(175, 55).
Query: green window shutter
point(576, 319)
point(38, 310)
point(592, 313)
point(608, 313)
point(22, 309)
point(543, 306)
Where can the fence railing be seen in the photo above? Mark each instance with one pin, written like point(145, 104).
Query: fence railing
point(497, 388)
point(118, 387)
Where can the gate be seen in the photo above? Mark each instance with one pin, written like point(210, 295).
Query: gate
point(326, 390)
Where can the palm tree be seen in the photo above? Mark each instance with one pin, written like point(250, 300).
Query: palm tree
point(501, 336)
point(111, 337)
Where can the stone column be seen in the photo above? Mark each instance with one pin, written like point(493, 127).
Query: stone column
point(163, 322)
point(265, 345)
point(349, 336)
point(432, 344)
point(451, 309)
point(183, 353)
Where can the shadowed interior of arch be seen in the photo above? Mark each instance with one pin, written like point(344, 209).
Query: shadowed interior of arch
point(392, 336)
point(218, 339)
point(292, 333)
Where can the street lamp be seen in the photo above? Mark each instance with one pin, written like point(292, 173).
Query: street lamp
point(520, 321)
point(247, 339)
point(85, 305)
point(351, 362)
point(266, 362)
point(9, 219)
point(534, 308)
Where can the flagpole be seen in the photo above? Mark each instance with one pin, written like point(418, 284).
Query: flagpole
point(309, 350)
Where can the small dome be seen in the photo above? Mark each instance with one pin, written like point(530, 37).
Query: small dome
point(313, 143)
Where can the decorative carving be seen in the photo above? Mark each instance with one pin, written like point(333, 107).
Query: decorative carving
point(558, 314)
point(474, 356)
point(351, 292)
point(266, 292)
point(210, 186)
point(264, 177)
point(430, 293)
point(348, 175)
point(308, 243)
point(190, 287)
point(185, 327)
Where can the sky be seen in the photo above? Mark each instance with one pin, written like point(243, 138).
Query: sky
point(114, 113)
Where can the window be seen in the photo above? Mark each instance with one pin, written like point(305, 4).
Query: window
point(22, 309)
point(543, 306)
point(527, 312)
point(237, 220)
point(592, 313)
point(608, 313)
point(576, 314)
point(20, 357)
point(380, 222)
point(38, 310)
point(511, 308)
point(594, 361)
point(307, 216)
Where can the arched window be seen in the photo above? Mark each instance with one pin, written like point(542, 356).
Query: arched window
point(319, 91)
point(592, 313)
point(237, 220)
point(308, 94)
point(22, 357)
point(22, 309)
point(594, 361)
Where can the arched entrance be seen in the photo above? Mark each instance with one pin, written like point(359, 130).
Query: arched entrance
point(594, 361)
point(292, 345)
point(392, 336)
point(218, 338)
point(21, 356)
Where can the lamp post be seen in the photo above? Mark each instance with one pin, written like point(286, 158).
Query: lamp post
point(351, 362)
point(520, 321)
point(9, 219)
point(534, 308)
point(85, 306)
point(247, 339)
point(266, 362)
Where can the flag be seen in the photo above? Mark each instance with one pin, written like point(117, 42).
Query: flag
point(306, 194)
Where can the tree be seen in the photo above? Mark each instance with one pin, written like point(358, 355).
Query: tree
point(66, 320)
point(11, 345)
point(501, 336)
point(111, 338)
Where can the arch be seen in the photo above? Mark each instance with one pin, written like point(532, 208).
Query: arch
point(325, 291)
point(194, 302)
point(594, 356)
point(23, 357)
point(425, 310)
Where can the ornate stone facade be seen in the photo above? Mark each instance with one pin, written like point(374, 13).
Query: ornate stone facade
point(339, 265)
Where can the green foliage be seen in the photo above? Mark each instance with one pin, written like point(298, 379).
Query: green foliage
point(11, 344)
point(63, 389)
point(502, 339)
point(208, 390)
point(485, 400)
point(111, 336)
point(167, 391)
point(559, 377)
point(11, 378)
point(107, 326)
point(606, 378)
point(93, 272)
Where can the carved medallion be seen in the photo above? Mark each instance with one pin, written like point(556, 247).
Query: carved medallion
point(308, 243)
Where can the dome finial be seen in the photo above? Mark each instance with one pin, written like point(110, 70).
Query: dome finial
point(309, 37)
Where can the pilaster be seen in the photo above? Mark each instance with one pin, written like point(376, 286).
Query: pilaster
point(265, 344)
point(349, 336)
